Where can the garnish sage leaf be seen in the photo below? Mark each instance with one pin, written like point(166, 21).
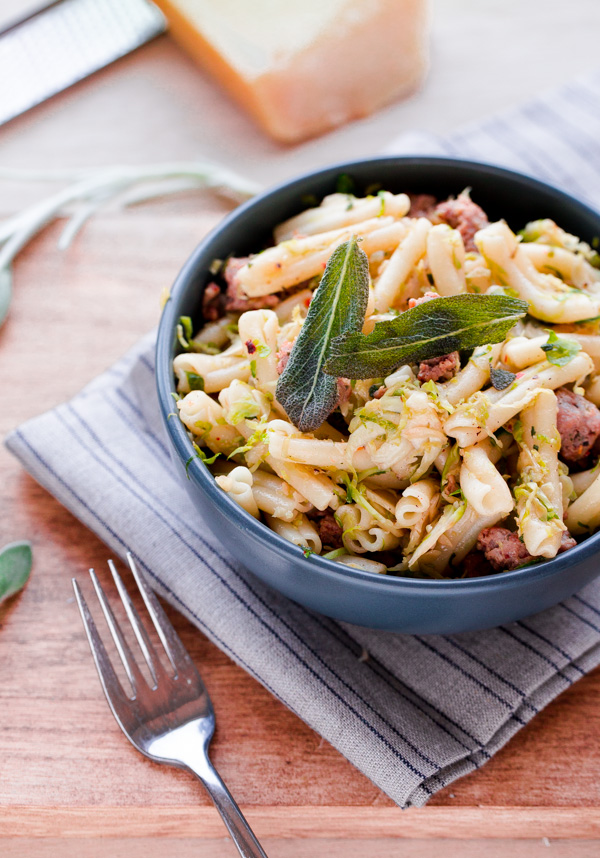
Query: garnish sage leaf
point(339, 305)
point(15, 566)
point(431, 329)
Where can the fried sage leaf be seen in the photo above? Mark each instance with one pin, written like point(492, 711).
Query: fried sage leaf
point(431, 329)
point(338, 307)
point(15, 566)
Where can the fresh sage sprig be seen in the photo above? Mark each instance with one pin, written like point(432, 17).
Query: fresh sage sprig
point(339, 305)
point(88, 190)
point(15, 566)
point(431, 329)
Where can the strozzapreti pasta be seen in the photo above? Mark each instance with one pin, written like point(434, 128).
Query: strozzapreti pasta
point(457, 465)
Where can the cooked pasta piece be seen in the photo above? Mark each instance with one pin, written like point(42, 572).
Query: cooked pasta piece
point(299, 301)
point(238, 485)
point(286, 442)
point(243, 405)
point(592, 389)
point(572, 267)
point(539, 491)
point(482, 414)
point(208, 367)
point(449, 545)
point(408, 445)
point(456, 531)
point(485, 490)
point(388, 288)
point(259, 330)
point(362, 563)
point(340, 210)
point(300, 531)
point(204, 418)
point(416, 508)
point(478, 276)
point(363, 531)
point(473, 377)
point(583, 515)
point(300, 259)
point(216, 334)
point(520, 352)
point(549, 297)
point(278, 498)
point(446, 258)
point(582, 480)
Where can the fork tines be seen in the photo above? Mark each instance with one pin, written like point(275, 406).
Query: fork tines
point(176, 652)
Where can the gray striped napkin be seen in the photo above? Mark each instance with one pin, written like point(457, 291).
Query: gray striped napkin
point(419, 711)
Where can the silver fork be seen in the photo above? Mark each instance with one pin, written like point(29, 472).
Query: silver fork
point(172, 721)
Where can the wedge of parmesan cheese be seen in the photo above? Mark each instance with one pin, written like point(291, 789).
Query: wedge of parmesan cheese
point(302, 67)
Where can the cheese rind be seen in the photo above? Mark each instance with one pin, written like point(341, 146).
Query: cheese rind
point(302, 67)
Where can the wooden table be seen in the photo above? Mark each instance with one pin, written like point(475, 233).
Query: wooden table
point(70, 784)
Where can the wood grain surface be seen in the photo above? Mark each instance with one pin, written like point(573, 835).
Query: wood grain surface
point(67, 775)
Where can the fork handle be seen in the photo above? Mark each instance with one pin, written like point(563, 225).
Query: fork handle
point(241, 833)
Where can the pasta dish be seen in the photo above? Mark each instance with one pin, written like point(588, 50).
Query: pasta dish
point(402, 386)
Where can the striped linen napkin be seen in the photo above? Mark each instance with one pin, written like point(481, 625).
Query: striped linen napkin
point(419, 712)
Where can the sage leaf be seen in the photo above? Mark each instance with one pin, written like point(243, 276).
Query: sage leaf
point(15, 566)
point(431, 329)
point(501, 378)
point(5, 291)
point(339, 305)
point(559, 350)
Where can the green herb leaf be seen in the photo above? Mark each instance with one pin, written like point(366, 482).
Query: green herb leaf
point(195, 381)
point(559, 350)
point(306, 393)
point(431, 329)
point(344, 184)
point(15, 567)
point(185, 331)
point(337, 552)
point(200, 454)
point(452, 462)
point(501, 378)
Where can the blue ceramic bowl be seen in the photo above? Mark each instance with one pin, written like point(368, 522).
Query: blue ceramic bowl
point(382, 602)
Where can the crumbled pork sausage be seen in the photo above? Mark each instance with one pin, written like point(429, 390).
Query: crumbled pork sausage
point(428, 296)
point(236, 300)
point(465, 216)
point(330, 532)
point(439, 368)
point(475, 565)
point(283, 355)
point(505, 551)
point(212, 303)
point(578, 424)
point(421, 205)
point(344, 390)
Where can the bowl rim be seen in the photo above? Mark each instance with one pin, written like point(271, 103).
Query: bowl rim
point(199, 473)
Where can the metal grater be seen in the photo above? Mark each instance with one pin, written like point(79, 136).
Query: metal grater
point(66, 42)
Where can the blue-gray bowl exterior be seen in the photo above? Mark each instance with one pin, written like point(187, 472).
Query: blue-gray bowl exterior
point(364, 598)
